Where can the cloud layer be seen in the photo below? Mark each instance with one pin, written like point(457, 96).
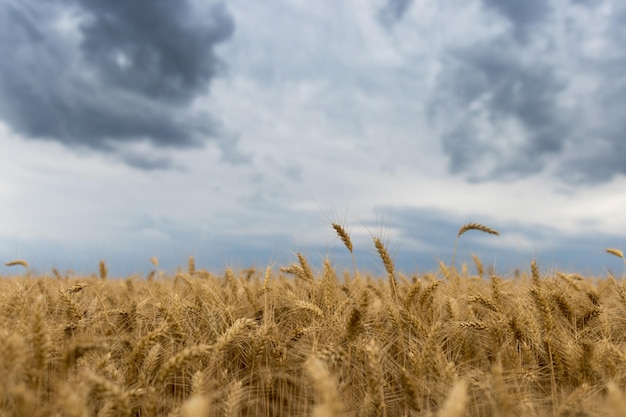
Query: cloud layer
point(102, 74)
point(514, 89)
point(540, 91)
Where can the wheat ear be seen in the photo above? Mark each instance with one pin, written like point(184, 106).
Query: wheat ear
point(102, 387)
point(477, 226)
point(195, 406)
point(345, 238)
point(455, 404)
point(389, 267)
point(615, 252)
point(343, 235)
point(616, 400)
point(17, 262)
point(325, 387)
point(191, 266)
point(375, 377)
point(619, 254)
point(479, 265)
point(232, 402)
point(472, 226)
point(103, 270)
point(306, 268)
point(181, 359)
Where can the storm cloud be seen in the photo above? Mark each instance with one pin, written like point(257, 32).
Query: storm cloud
point(511, 118)
point(393, 11)
point(512, 105)
point(101, 74)
point(524, 16)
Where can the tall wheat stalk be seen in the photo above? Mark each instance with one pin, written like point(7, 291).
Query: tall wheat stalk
point(347, 241)
point(471, 226)
point(619, 254)
point(389, 267)
point(325, 386)
point(17, 262)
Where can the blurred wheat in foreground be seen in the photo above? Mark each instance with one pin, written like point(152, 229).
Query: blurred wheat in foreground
point(304, 342)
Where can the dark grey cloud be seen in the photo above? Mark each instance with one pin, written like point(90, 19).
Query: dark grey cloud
point(125, 71)
point(587, 3)
point(147, 163)
point(155, 49)
point(393, 11)
point(524, 16)
point(604, 120)
point(490, 88)
point(509, 109)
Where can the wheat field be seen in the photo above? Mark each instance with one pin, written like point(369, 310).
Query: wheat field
point(307, 340)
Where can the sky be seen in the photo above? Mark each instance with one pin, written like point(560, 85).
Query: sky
point(237, 132)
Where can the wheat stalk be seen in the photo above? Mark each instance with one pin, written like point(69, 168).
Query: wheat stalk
point(198, 384)
point(471, 226)
point(619, 254)
point(504, 401)
point(328, 285)
point(191, 266)
point(195, 406)
point(325, 387)
point(616, 400)
point(353, 325)
point(375, 377)
point(73, 310)
point(102, 387)
point(182, 359)
point(152, 362)
point(72, 402)
point(615, 252)
point(536, 278)
point(389, 267)
point(411, 391)
point(343, 235)
point(17, 262)
point(456, 402)
point(306, 269)
point(345, 238)
point(477, 226)
point(42, 345)
point(232, 401)
point(103, 270)
point(232, 282)
point(479, 265)
point(413, 292)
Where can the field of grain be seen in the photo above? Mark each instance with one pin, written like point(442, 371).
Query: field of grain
point(306, 340)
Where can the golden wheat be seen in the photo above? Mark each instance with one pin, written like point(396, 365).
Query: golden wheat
point(325, 386)
point(456, 402)
point(467, 227)
point(477, 226)
point(343, 235)
point(191, 266)
point(375, 377)
point(103, 270)
point(307, 273)
point(615, 252)
point(17, 262)
point(250, 342)
point(389, 267)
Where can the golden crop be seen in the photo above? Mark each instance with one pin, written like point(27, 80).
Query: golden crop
point(301, 342)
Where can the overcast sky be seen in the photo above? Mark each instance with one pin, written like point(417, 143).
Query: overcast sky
point(236, 132)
